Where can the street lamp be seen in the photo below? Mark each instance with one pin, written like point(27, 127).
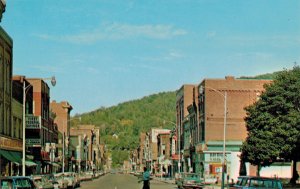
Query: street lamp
point(224, 132)
point(63, 152)
point(25, 90)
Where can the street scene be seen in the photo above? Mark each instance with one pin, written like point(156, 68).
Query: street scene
point(128, 94)
point(124, 181)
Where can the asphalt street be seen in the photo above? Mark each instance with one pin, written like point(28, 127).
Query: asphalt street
point(122, 181)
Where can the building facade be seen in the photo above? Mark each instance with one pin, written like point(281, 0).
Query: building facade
point(61, 111)
point(89, 154)
point(150, 149)
point(10, 136)
point(216, 95)
point(41, 130)
point(142, 157)
point(164, 156)
point(184, 98)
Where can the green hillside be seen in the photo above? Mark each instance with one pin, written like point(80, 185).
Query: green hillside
point(263, 76)
point(127, 120)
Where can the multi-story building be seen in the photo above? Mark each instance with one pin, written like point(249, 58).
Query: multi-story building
point(174, 156)
point(40, 128)
point(213, 94)
point(164, 157)
point(86, 140)
point(19, 82)
point(134, 159)
point(61, 113)
point(141, 162)
point(10, 133)
point(152, 150)
point(184, 98)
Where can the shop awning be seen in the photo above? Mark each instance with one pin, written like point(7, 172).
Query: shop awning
point(11, 156)
point(17, 156)
point(55, 164)
point(29, 163)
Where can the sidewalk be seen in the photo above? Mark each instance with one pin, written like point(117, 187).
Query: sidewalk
point(212, 187)
point(172, 181)
point(165, 180)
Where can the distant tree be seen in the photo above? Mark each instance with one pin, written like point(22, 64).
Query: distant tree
point(273, 123)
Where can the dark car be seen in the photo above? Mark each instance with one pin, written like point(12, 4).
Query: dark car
point(252, 182)
point(16, 182)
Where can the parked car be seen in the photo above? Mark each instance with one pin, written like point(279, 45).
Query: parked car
point(190, 180)
point(73, 179)
point(252, 182)
point(62, 182)
point(41, 182)
point(84, 176)
point(53, 180)
point(16, 182)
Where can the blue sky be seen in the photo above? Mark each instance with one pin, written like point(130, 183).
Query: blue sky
point(104, 52)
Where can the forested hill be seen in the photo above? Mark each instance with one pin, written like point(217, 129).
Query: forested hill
point(128, 119)
point(263, 76)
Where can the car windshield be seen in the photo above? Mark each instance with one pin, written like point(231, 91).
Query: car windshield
point(242, 181)
point(23, 183)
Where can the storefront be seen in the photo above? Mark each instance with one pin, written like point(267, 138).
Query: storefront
point(213, 158)
point(10, 156)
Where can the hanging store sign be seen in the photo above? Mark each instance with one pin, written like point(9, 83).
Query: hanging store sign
point(11, 144)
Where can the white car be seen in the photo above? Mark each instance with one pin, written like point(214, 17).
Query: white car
point(62, 182)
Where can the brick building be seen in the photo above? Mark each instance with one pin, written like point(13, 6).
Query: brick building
point(240, 93)
point(185, 96)
point(61, 113)
point(89, 154)
point(200, 124)
point(41, 131)
point(142, 157)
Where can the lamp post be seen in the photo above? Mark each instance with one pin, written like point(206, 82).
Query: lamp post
point(63, 152)
point(224, 129)
point(25, 88)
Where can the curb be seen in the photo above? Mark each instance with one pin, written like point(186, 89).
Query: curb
point(169, 181)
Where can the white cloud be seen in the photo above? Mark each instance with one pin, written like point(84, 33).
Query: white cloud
point(171, 55)
point(118, 31)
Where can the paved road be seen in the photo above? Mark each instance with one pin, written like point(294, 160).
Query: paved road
point(122, 181)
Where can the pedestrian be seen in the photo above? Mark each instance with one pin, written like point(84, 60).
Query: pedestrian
point(146, 179)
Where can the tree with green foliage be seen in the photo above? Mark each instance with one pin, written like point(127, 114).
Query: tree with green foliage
point(273, 123)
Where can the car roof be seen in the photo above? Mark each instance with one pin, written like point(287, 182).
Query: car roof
point(16, 177)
